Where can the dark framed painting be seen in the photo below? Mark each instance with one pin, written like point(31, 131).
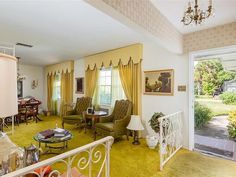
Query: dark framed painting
point(79, 85)
point(159, 82)
point(20, 89)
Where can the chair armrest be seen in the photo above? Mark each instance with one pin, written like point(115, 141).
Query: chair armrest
point(67, 109)
point(106, 119)
point(72, 112)
point(121, 123)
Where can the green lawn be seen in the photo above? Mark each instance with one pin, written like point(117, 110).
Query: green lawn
point(216, 105)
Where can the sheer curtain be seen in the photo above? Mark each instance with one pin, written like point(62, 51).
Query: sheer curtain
point(96, 96)
point(56, 95)
point(117, 89)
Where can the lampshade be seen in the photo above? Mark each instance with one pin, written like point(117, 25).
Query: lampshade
point(135, 123)
point(8, 86)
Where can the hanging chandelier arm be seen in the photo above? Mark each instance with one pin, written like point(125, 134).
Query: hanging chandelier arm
point(195, 14)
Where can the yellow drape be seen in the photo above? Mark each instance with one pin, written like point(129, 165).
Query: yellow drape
point(50, 80)
point(90, 81)
point(66, 89)
point(130, 76)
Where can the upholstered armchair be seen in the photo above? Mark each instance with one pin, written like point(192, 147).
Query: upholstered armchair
point(75, 116)
point(116, 123)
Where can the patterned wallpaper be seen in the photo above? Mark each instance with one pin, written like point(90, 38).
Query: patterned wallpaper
point(219, 36)
point(146, 15)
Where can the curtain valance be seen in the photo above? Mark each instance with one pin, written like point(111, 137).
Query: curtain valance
point(67, 66)
point(113, 57)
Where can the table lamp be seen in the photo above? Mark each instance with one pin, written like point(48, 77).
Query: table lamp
point(8, 87)
point(135, 124)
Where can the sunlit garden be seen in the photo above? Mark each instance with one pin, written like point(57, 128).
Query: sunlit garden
point(215, 94)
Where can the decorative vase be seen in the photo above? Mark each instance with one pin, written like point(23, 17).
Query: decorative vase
point(152, 141)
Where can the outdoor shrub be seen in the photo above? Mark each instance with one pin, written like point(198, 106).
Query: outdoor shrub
point(232, 124)
point(154, 123)
point(202, 115)
point(228, 97)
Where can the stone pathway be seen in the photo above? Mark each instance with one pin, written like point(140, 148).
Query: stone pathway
point(216, 128)
point(213, 138)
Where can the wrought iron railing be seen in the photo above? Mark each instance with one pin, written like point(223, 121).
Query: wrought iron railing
point(90, 160)
point(171, 136)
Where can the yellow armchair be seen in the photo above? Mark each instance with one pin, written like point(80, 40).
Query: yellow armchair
point(116, 123)
point(75, 116)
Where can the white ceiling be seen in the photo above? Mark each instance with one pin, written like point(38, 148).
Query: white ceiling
point(60, 30)
point(173, 10)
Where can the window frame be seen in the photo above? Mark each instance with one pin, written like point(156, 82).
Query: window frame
point(102, 85)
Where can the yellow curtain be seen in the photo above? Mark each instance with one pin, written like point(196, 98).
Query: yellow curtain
point(90, 81)
point(66, 89)
point(50, 80)
point(130, 76)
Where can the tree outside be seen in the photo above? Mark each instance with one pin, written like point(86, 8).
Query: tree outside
point(210, 76)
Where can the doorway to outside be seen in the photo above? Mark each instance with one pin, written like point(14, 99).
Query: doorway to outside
point(214, 102)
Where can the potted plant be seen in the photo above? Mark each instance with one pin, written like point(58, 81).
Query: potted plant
point(155, 125)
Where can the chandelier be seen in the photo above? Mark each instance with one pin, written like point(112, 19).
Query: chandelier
point(195, 14)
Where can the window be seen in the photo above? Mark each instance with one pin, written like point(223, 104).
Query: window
point(109, 88)
point(105, 87)
point(57, 87)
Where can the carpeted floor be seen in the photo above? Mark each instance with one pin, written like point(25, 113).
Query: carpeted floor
point(128, 160)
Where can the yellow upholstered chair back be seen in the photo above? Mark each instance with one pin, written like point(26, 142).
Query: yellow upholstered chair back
point(121, 109)
point(82, 104)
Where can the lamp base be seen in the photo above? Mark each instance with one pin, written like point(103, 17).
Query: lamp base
point(136, 141)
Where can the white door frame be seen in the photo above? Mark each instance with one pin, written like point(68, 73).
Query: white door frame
point(192, 56)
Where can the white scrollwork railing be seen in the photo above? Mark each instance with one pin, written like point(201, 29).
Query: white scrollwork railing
point(171, 136)
point(89, 160)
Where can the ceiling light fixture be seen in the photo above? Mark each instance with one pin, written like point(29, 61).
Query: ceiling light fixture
point(24, 45)
point(195, 14)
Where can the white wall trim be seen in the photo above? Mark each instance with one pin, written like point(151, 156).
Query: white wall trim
point(192, 56)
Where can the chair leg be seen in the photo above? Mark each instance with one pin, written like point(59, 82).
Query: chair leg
point(95, 135)
point(62, 124)
point(36, 119)
point(16, 119)
point(26, 120)
point(127, 135)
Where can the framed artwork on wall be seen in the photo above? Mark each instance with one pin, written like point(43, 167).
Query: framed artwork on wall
point(79, 85)
point(20, 89)
point(159, 82)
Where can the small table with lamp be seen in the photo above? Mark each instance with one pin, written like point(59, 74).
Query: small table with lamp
point(93, 116)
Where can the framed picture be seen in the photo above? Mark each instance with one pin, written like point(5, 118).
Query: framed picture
point(159, 82)
point(79, 85)
point(20, 89)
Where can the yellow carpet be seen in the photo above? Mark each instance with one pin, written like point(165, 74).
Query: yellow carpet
point(128, 160)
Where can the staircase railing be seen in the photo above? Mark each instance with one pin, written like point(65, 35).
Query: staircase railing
point(90, 160)
point(171, 136)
